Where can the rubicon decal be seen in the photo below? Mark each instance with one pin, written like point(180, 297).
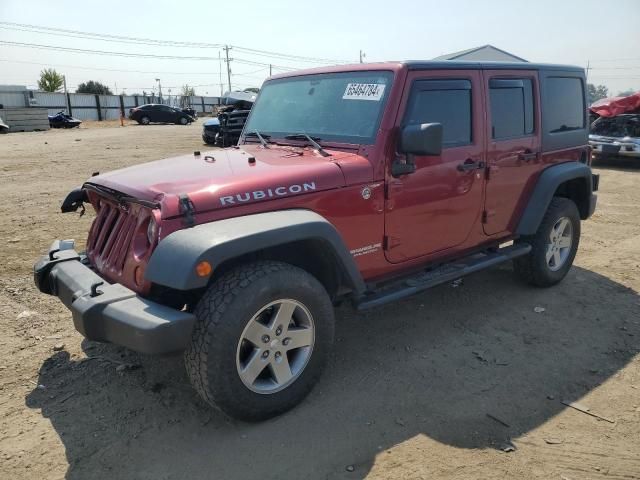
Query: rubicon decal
point(275, 192)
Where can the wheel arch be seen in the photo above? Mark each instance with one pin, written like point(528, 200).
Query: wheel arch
point(299, 237)
point(314, 255)
point(572, 180)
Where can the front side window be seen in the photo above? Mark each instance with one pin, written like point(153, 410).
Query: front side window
point(341, 107)
point(511, 107)
point(565, 108)
point(443, 101)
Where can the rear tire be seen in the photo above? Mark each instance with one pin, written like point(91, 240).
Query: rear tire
point(262, 337)
point(183, 121)
point(553, 246)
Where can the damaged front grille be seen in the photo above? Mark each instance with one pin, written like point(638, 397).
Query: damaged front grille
point(110, 237)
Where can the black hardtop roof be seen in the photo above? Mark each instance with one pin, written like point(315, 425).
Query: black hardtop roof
point(464, 65)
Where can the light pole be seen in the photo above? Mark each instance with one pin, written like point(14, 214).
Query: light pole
point(226, 51)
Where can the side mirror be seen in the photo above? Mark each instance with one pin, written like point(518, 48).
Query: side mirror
point(421, 139)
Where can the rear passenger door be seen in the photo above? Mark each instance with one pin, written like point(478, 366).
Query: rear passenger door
point(513, 150)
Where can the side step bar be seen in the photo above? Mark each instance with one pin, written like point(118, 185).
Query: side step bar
point(443, 274)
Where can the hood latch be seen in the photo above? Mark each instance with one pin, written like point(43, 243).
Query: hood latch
point(186, 210)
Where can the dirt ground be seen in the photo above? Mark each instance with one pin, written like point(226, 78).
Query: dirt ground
point(434, 387)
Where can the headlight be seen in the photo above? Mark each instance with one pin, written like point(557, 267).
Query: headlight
point(152, 230)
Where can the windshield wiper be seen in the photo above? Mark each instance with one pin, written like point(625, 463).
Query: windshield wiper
point(303, 136)
point(261, 137)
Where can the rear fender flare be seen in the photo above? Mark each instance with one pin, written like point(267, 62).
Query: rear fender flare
point(546, 187)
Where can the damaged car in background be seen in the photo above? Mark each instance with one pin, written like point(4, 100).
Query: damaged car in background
point(224, 130)
point(616, 128)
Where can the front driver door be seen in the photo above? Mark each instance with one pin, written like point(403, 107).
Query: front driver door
point(437, 207)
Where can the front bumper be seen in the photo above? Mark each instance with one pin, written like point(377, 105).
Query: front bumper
point(110, 312)
point(209, 135)
point(615, 149)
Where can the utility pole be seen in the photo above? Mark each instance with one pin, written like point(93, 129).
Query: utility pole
point(220, 71)
point(362, 55)
point(66, 95)
point(159, 91)
point(270, 70)
point(587, 72)
point(226, 50)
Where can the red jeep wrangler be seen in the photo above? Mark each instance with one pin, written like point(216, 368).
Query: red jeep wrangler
point(369, 182)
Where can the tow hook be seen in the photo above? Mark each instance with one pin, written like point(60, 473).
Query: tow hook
point(94, 289)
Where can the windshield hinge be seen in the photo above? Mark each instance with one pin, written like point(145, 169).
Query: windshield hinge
point(186, 210)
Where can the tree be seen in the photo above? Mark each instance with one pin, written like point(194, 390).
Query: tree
point(626, 93)
point(595, 93)
point(96, 88)
point(188, 91)
point(50, 80)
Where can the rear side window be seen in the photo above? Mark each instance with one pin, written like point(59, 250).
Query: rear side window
point(511, 107)
point(564, 104)
point(443, 101)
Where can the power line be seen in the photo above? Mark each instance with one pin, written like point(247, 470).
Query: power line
point(251, 62)
point(104, 37)
point(615, 68)
point(149, 41)
point(248, 75)
point(102, 52)
point(614, 60)
point(110, 69)
point(142, 55)
point(264, 53)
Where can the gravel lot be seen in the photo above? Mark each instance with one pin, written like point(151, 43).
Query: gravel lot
point(433, 387)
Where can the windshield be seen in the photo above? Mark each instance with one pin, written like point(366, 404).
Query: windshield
point(339, 107)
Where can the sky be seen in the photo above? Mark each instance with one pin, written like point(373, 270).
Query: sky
point(605, 36)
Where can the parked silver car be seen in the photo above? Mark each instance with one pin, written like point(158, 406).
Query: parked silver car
point(616, 136)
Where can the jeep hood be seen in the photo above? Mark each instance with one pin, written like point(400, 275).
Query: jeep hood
point(236, 176)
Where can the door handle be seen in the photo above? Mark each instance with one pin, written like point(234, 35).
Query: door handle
point(527, 155)
point(469, 165)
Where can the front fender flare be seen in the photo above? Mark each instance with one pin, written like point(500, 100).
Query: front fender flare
point(173, 262)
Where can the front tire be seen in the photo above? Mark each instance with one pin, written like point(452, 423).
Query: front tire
point(263, 334)
point(145, 120)
point(553, 247)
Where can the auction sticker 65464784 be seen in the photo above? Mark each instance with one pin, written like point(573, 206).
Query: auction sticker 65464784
point(364, 91)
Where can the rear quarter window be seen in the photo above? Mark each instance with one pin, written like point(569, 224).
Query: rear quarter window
point(565, 104)
point(564, 109)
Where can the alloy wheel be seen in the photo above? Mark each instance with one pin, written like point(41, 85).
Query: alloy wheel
point(275, 346)
point(559, 246)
